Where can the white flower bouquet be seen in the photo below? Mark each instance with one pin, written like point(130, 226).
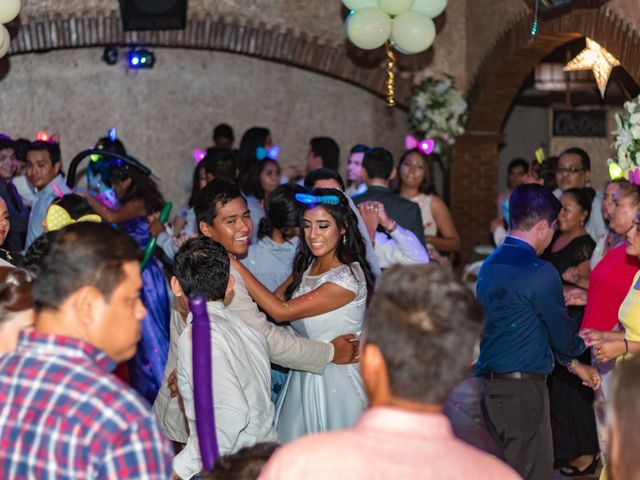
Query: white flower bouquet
point(438, 111)
point(627, 145)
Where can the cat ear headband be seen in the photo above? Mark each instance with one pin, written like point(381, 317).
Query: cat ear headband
point(57, 218)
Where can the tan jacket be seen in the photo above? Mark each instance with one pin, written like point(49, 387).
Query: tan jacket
point(285, 347)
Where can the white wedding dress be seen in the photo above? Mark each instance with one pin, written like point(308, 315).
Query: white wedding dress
point(312, 403)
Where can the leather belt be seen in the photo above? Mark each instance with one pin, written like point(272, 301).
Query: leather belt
point(516, 376)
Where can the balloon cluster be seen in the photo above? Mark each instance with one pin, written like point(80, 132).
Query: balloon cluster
point(9, 10)
point(407, 24)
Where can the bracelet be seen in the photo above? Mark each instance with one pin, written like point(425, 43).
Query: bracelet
point(626, 346)
point(393, 227)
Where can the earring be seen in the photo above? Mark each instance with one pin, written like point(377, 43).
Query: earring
point(344, 240)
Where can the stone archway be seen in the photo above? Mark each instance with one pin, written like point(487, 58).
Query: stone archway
point(493, 89)
point(204, 32)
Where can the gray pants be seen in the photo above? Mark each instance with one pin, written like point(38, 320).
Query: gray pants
point(516, 414)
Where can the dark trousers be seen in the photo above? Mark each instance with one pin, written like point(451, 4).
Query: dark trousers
point(516, 413)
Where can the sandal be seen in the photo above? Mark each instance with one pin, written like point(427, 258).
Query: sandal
point(573, 471)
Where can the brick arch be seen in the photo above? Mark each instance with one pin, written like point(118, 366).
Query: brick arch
point(257, 40)
point(493, 89)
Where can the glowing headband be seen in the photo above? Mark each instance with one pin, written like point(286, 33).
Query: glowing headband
point(272, 153)
point(312, 199)
point(426, 145)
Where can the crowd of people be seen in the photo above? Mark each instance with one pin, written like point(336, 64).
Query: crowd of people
point(337, 330)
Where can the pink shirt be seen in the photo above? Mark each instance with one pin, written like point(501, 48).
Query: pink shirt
point(386, 443)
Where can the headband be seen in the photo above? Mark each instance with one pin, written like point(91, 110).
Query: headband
point(312, 199)
point(272, 153)
point(57, 218)
point(426, 145)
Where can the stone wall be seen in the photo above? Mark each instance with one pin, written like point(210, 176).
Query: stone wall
point(163, 114)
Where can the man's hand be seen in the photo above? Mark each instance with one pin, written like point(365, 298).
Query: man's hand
point(293, 172)
point(172, 383)
point(155, 226)
point(346, 349)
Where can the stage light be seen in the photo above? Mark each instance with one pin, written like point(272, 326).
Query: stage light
point(141, 58)
point(110, 55)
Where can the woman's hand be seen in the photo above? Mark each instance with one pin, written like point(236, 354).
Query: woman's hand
point(608, 350)
point(576, 297)
point(369, 214)
point(571, 275)
point(596, 337)
point(590, 376)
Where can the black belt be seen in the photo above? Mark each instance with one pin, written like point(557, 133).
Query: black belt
point(515, 376)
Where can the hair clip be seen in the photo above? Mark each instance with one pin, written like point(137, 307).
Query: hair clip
point(112, 134)
point(57, 218)
point(426, 145)
point(272, 153)
point(539, 153)
point(313, 200)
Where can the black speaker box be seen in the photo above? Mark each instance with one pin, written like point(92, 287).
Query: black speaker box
point(153, 14)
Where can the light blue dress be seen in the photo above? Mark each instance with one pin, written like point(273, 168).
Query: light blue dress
point(335, 400)
point(271, 263)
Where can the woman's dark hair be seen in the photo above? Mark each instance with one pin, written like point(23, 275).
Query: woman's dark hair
point(250, 184)
point(36, 252)
point(16, 286)
point(322, 174)
point(281, 212)
point(350, 249)
point(75, 205)
point(583, 197)
point(546, 171)
point(142, 187)
point(252, 139)
point(427, 186)
point(115, 146)
point(195, 183)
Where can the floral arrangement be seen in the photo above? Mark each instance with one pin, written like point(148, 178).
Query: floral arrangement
point(438, 111)
point(627, 144)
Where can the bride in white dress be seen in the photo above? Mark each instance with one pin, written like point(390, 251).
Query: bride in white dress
point(325, 296)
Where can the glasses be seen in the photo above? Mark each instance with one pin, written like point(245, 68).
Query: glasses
point(570, 170)
point(7, 158)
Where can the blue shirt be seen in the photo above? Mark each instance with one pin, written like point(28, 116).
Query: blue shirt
point(526, 320)
point(40, 206)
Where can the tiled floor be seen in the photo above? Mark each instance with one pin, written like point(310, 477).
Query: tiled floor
point(463, 409)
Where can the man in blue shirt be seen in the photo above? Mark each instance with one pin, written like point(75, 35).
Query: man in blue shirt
point(526, 326)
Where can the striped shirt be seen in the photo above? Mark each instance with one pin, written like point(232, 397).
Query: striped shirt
point(64, 416)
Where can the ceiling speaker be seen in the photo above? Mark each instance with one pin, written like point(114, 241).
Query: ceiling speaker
point(153, 14)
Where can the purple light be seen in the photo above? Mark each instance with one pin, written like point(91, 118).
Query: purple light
point(199, 154)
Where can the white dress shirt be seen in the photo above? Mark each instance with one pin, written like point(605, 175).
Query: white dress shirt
point(402, 248)
point(241, 379)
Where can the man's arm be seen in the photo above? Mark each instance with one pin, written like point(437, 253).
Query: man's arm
point(550, 308)
point(403, 248)
point(285, 348)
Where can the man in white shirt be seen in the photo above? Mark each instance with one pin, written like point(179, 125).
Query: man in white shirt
point(240, 371)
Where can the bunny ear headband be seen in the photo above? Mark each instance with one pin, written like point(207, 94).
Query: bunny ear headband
point(272, 153)
point(426, 145)
point(57, 218)
point(307, 199)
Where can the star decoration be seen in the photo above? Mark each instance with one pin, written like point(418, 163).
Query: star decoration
point(595, 58)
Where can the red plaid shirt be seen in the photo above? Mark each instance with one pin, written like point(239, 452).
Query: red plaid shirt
point(64, 416)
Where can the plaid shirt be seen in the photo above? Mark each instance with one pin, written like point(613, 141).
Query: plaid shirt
point(64, 416)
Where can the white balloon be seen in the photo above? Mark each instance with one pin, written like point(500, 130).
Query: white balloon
point(5, 41)
point(395, 7)
point(360, 4)
point(431, 8)
point(9, 10)
point(368, 28)
point(413, 32)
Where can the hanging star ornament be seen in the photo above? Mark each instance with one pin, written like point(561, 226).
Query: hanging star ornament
point(595, 58)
